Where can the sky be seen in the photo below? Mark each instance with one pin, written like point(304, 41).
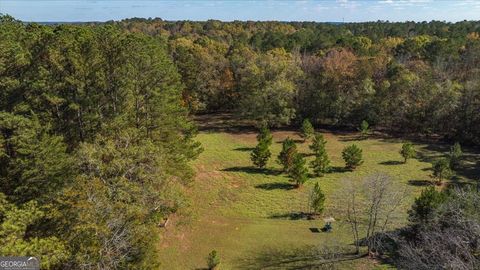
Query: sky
point(229, 10)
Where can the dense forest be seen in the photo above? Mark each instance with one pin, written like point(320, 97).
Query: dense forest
point(96, 134)
point(406, 77)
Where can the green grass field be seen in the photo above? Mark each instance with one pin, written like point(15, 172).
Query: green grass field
point(249, 215)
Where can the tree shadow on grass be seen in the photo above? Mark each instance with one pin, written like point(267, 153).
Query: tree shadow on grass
point(308, 257)
point(391, 162)
point(253, 170)
point(420, 183)
point(307, 154)
point(354, 137)
point(297, 141)
point(294, 216)
point(244, 149)
point(277, 185)
point(338, 169)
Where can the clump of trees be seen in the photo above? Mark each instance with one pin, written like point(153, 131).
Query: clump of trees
point(95, 144)
point(408, 151)
point(352, 155)
point(344, 74)
point(443, 233)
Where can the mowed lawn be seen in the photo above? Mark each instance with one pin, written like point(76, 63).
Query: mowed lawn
point(250, 216)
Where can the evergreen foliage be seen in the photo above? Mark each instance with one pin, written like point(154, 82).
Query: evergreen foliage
point(286, 155)
point(317, 199)
point(307, 130)
point(261, 154)
point(213, 260)
point(441, 170)
point(298, 173)
point(408, 151)
point(352, 155)
point(455, 155)
point(424, 206)
point(321, 163)
point(364, 128)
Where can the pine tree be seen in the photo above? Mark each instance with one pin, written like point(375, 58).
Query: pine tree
point(321, 163)
point(441, 170)
point(408, 151)
point(455, 155)
point(306, 130)
point(265, 136)
point(364, 128)
point(317, 199)
point(261, 154)
point(424, 205)
point(289, 150)
point(298, 173)
point(352, 155)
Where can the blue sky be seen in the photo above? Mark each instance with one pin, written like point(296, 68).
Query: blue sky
point(283, 10)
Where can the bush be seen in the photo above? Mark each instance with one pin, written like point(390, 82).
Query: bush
point(213, 260)
point(408, 151)
point(352, 155)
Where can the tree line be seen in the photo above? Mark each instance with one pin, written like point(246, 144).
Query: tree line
point(399, 77)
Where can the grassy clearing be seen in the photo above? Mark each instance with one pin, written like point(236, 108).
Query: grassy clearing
point(251, 216)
